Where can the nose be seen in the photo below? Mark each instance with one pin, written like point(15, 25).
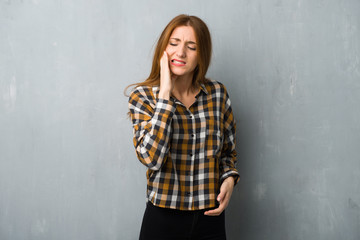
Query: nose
point(180, 52)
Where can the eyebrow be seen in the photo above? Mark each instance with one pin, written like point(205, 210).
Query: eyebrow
point(178, 40)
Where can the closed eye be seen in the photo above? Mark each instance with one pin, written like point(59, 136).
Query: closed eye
point(175, 44)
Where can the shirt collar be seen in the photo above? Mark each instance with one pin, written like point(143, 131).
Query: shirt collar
point(156, 89)
point(203, 88)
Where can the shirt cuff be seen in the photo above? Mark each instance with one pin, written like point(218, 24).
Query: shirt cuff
point(231, 174)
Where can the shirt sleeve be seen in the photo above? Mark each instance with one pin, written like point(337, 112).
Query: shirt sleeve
point(151, 128)
point(228, 152)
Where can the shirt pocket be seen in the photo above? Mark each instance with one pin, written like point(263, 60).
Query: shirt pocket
point(213, 135)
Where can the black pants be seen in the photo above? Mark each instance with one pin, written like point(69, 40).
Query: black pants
point(169, 224)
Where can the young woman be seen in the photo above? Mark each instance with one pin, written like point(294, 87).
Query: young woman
point(184, 133)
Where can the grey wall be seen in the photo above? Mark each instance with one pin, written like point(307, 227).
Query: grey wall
point(67, 165)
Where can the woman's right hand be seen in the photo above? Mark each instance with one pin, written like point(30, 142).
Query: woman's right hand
point(166, 80)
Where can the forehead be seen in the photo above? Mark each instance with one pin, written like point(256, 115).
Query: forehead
point(184, 33)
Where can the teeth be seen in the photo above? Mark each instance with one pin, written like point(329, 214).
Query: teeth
point(174, 61)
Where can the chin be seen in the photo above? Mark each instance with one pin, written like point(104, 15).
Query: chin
point(178, 72)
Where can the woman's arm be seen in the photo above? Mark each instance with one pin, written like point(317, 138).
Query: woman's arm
point(151, 127)
point(228, 152)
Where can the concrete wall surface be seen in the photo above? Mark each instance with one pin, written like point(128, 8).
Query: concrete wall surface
point(68, 168)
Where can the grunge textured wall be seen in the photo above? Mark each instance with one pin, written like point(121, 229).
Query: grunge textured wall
point(68, 168)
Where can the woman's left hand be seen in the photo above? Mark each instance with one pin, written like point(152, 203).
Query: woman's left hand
point(223, 198)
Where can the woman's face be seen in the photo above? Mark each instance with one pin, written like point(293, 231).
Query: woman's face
point(181, 50)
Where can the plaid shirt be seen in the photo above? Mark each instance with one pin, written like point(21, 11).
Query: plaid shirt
point(188, 152)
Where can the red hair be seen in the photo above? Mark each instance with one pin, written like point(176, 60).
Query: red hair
point(204, 49)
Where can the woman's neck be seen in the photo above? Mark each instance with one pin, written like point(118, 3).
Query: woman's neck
point(183, 86)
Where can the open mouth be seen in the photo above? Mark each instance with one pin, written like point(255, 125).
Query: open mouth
point(178, 62)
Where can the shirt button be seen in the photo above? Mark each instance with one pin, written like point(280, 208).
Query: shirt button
point(190, 116)
point(187, 193)
point(192, 135)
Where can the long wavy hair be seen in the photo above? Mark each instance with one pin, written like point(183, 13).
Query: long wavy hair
point(204, 50)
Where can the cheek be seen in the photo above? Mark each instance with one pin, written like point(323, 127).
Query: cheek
point(195, 61)
point(169, 50)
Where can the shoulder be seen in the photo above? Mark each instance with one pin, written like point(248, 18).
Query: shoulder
point(214, 86)
point(144, 92)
